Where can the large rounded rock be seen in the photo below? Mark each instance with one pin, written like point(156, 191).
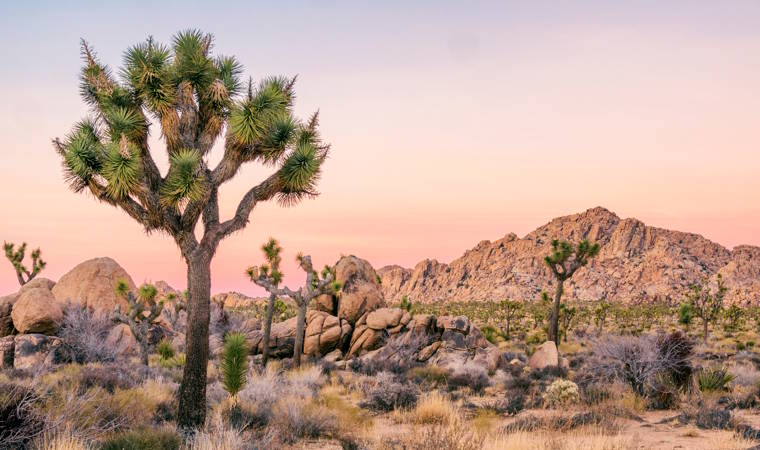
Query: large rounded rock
point(361, 291)
point(36, 311)
point(383, 318)
point(121, 339)
point(7, 302)
point(92, 284)
point(545, 355)
point(324, 333)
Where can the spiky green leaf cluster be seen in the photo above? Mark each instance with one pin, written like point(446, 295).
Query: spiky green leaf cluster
point(147, 292)
point(185, 180)
point(234, 363)
point(83, 155)
point(147, 71)
point(300, 172)
point(272, 252)
point(263, 117)
point(121, 168)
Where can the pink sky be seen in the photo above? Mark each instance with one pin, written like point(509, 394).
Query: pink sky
point(445, 133)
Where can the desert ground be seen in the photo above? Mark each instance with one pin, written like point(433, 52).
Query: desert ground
point(376, 374)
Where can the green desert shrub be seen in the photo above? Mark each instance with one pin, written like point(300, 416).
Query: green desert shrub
point(145, 438)
point(491, 334)
point(234, 363)
point(165, 349)
point(561, 393)
point(713, 380)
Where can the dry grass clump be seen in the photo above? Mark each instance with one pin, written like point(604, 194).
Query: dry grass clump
point(455, 435)
point(586, 439)
point(217, 439)
point(296, 419)
point(60, 441)
point(434, 408)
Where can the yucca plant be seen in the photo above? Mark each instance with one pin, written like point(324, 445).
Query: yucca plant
point(143, 310)
point(714, 380)
point(234, 363)
point(196, 98)
point(564, 261)
point(16, 257)
point(269, 276)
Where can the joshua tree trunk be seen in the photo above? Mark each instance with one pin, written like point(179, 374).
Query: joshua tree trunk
point(704, 325)
point(554, 322)
point(268, 328)
point(192, 391)
point(300, 325)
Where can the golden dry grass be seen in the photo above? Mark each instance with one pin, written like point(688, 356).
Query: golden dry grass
point(434, 408)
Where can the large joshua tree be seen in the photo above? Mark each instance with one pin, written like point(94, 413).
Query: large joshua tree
point(197, 99)
point(269, 276)
point(564, 261)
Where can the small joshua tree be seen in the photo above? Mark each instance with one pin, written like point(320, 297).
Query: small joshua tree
point(268, 277)
point(566, 316)
point(16, 257)
point(539, 309)
point(143, 311)
point(234, 363)
point(600, 314)
point(511, 309)
point(734, 316)
point(705, 303)
point(271, 251)
point(564, 261)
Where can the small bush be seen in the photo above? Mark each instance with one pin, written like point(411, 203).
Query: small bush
point(165, 349)
point(109, 378)
point(430, 374)
point(146, 438)
point(474, 377)
point(708, 418)
point(178, 360)
point(388, 394)
point(83, 333)
point(297, 419)
point(561, 393)
point(712, 380)
point(19, 422)
point(491, 334)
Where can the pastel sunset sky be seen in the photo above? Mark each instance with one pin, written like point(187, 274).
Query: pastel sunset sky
point(450, 122)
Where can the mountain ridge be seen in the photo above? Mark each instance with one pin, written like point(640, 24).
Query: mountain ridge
point(637, 263)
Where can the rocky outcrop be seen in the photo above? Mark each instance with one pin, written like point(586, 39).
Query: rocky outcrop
point(325, 333)
point(36, 311)
point(92, 284)
point(361, 291)
point(282, 339)
point(34, 351)
point(6, 306)
point(7, 349)
point(546, 355)
point(232, 300)
point(121, 339)
point(637, 263)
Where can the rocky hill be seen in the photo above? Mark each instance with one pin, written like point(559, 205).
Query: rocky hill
point(637, 263)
